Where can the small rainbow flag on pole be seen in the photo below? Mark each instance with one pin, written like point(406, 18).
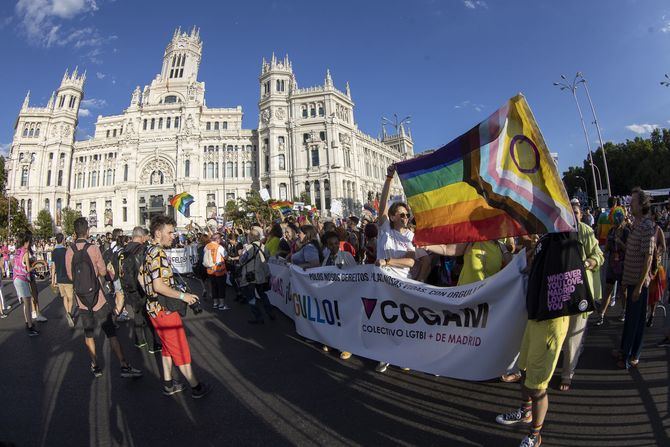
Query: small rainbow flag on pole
point(285, 207)
point(181, 202)
point(496, 180)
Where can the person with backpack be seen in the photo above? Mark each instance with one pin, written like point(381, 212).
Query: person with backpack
point(255, 277)
point(133, 258)
point(166, 305)
point(112, 257)
point(86, 268)
point(60, 280)
point(214, 260)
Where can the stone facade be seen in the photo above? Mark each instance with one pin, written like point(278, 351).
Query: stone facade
point(168, 141)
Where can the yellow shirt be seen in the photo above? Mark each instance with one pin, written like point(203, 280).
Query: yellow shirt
point(480, 260)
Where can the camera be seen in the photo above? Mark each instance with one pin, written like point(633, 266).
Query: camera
point(181, 285)
point(196, 307)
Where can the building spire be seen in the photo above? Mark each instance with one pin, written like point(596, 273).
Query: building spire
point(348, 90)
point(329, 80)
point(26, 101)
point(50, 104)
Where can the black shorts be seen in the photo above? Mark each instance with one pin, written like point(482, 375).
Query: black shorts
point(90, 319)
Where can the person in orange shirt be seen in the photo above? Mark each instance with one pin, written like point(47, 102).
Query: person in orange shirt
point(217, 273)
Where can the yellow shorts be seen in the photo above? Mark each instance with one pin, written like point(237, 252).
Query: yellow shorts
point(66, 291)
point(540, 348)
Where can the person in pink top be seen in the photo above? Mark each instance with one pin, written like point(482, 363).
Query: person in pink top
point(21, 278)
point(100, 311)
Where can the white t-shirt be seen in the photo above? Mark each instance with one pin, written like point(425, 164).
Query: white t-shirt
point(393, 244)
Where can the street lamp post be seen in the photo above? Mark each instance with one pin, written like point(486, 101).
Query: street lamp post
point(585, 187)
point(573, 88)
point(600, 137)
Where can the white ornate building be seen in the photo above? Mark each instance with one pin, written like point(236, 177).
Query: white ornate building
point(168, 141)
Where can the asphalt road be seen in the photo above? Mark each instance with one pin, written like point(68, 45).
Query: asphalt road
point(273, 388)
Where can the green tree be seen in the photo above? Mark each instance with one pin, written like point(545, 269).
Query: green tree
point(44, 224)
point(19, 220)
point(68, 216)
point(3, 173)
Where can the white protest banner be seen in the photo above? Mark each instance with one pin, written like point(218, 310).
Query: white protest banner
point(336, 207)
point(298, 206)
point(179, 258)
point(468, 332)
point(265, 194)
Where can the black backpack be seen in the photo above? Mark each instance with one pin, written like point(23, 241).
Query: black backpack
point(84, 279)
point(130, 262)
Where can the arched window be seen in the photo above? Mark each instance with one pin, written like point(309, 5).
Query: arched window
point(282, 191)
point(304, 111)
point(37, 130)
point(282, 162)
point(60, 177)
point(160, 123)
point(29, 211)
point(249, 169)
point(321, 111)
point(168, 122)
point(25, 130)
point(32, 130)
point(46, 205)
point(187, 168)
point(171, 99)
point(110, 181)
point(210, 170)
point(94, 178)
point(229, 169)
point(125, 173)
point(153, 123)
point(176, 122)
point(24, 176)
point(23, 205)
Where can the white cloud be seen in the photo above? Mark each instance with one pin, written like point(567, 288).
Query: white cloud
point(100, 75)
point(4, 149)
point(642, 128)
point(44, 23)
point(94, 103)
point(84, 112)
point(474, 4)
point(467, 104)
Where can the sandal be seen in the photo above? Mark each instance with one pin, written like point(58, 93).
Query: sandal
point(511, 378)
point(565, 385)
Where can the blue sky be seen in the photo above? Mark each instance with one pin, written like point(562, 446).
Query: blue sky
point(447, 63)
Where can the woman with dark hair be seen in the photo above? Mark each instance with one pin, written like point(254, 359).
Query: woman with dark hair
point(22, 280)
point(274, 237)
point(309, 252)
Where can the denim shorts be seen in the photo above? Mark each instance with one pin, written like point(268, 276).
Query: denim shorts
point(22, 288)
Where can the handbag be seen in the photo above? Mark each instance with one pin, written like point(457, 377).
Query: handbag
point(557, 284)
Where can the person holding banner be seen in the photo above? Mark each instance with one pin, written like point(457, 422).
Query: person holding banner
point(308, 250)
point(395, 250)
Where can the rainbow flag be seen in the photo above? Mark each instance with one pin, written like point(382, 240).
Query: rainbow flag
point(181, 202)
point(496, 180)
point(285, 207)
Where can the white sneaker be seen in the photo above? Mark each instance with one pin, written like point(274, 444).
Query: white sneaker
point(34, 315)
point(40, 318)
